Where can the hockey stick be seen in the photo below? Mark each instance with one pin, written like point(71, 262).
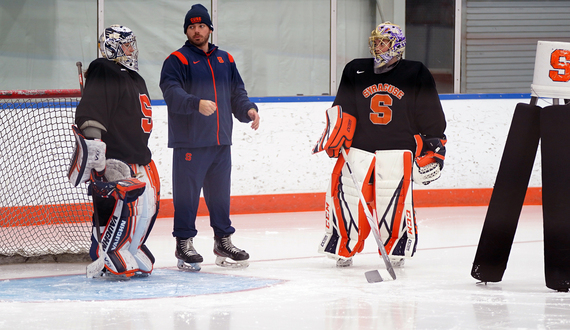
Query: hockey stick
point(96, 266)
point(80, 73)
point(372, 276)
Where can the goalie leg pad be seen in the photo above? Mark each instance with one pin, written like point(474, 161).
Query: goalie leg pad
point(116, 240)
point(146, 207)
point(338, 132)
point(394, 203)
point(347, 226)
point(122, 198)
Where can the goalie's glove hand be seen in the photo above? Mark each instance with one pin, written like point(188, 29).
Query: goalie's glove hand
point(430, 155)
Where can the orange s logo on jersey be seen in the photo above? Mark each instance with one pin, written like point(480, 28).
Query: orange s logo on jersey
point(380, 103)
point(188, 157)
point(557, 64)
point(381, 111)
point(220, 59)
point(146, 109)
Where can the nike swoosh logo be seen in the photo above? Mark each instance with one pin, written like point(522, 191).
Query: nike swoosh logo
point(359, 72)
point(195, 62)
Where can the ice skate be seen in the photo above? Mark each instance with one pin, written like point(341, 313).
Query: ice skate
point(397, 261)
point(188, 258)
point(105, 274)
point(223, 249)
point(341, 262)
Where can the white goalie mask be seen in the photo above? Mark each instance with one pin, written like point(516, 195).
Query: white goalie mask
point(390, 34)
point(118, 43)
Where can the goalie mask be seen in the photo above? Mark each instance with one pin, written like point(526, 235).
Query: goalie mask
point(118, 43)
point(390, 35)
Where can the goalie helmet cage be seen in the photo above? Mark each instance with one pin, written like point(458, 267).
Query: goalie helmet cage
point(43, 218)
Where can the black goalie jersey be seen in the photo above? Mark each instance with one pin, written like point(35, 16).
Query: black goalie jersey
point(390, 108)
point(118, 99)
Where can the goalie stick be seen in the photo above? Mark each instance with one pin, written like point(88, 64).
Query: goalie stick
point(372, 276)
point(80, 74)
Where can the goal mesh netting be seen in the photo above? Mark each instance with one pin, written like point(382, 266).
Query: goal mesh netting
point(42, 216)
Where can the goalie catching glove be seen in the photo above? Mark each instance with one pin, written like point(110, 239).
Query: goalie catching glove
point(430, 154)
point(88, 155)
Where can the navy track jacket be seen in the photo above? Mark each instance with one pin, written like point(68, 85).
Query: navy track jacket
point(189, 75)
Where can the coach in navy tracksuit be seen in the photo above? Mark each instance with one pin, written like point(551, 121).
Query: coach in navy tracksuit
point(202, 89)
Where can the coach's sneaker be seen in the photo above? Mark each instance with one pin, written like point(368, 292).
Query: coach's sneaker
point(224, 248)
point(188, 258)
point(342, 262)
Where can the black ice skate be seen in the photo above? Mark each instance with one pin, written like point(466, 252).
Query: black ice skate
point(188, 258)
point(223, 249)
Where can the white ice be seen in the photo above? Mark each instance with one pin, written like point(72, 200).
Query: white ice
point(434, 290)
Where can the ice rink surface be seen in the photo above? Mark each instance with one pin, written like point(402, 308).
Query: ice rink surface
point(288, 285)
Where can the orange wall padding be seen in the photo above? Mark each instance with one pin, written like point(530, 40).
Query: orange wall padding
point(303, 202)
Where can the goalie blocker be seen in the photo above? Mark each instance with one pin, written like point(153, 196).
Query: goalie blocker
point(88, 155)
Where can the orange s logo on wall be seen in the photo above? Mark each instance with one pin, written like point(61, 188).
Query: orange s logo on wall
point(563, 66)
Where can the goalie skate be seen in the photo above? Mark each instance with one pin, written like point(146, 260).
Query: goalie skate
point(224, 249)
point(188, 258)
point(107, 275)
point(342, 262)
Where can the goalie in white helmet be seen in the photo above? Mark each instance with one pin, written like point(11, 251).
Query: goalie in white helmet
point(113, 124)
point(118, 43)
point(388, 117)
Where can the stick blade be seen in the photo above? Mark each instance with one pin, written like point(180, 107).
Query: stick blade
point(94, 268)
point(373, 276)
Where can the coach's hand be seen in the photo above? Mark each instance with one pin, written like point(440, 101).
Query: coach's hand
point(207, 107)
point(254, 116)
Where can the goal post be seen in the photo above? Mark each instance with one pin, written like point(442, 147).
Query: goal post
point(42, 216)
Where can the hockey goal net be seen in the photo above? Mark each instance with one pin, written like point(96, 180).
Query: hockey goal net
point(42, 216)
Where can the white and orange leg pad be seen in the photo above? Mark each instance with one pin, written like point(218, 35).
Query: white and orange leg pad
point(116, 240)
point(394, 204)
point(145, 210)
point(346, 223)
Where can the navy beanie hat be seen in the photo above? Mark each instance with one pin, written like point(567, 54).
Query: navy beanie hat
point(197, 14)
